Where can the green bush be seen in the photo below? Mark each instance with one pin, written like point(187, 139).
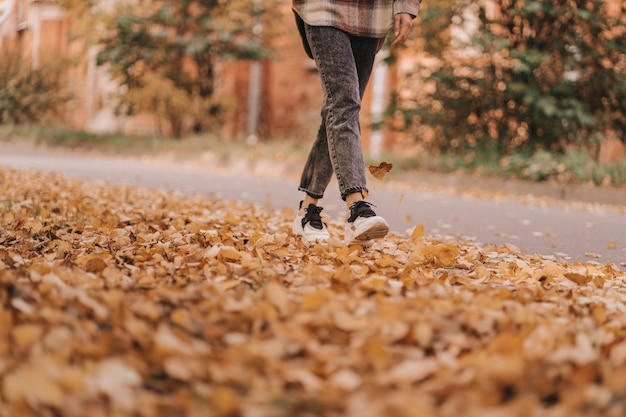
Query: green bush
point(575, 165)
point(29, 94)
point(538, 75)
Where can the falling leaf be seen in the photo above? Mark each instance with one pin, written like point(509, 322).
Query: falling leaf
point(379, 171)
point(417, 233)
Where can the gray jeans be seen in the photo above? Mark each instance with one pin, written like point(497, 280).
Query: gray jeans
point(345, 64)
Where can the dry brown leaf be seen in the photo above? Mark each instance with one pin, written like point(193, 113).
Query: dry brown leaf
point(345, 379)
point(307, 379)
point(278, 297)
point(316, 300)
point(423, 334)
point(410, 371)
point(226, 401)
point(30, 384)
point(117, 380)
point(345, 321)
point(379, 171)
point(441, 254)
point(26, 335)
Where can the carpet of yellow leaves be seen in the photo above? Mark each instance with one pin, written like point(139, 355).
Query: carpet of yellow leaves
point(120, 301)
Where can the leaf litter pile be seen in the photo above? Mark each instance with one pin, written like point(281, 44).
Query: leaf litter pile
point(120, 301)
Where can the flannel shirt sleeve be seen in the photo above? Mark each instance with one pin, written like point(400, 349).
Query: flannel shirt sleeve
point(406, 6)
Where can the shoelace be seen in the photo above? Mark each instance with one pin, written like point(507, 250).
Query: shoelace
point(313, 217)
point(361, 209)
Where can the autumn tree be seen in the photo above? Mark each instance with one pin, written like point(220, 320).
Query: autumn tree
point(164, 54)
point(531, 74)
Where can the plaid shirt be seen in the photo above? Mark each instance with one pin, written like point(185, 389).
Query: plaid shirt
point(369, 18)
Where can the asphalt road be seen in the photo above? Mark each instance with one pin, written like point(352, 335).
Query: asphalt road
point(564, 230)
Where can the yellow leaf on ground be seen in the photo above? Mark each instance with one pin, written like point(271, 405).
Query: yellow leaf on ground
point(277, 296)
point(26, 335)
point(315, 300)
point(116, 379)
point(32, 385)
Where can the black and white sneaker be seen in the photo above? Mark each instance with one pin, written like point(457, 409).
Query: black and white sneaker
point(363, 225)
point(309, 225)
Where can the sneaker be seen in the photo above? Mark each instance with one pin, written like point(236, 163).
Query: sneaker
point(363, 225)
point(309, 225)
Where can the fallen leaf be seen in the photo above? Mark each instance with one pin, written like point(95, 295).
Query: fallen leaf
point(32, 385)
point(410, 371)
point(278, 297)
point(117, 380)
point(345, 379)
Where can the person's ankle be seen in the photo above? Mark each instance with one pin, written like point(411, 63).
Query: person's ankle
point(353, 198)
point(309, 200)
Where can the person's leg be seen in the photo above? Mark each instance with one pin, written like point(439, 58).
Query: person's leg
point(362, 223)
point(364, 51)
point(315, 177)
point(344, 67)
point(319, 167)
point(345, 64)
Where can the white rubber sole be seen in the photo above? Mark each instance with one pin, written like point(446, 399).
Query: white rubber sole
point(308, 233)
point(363, 230)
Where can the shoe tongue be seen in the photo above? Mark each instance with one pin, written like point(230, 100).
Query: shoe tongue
point(313, 216)
point(316, 224)
point(366, 213)
point(361, 209)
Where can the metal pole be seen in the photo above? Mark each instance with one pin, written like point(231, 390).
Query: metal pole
point(254, 88)
point(379, 102)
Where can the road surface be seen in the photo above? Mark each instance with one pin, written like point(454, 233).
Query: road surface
point(570, 231)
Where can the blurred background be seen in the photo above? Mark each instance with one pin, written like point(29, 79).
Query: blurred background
point(528, 89)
